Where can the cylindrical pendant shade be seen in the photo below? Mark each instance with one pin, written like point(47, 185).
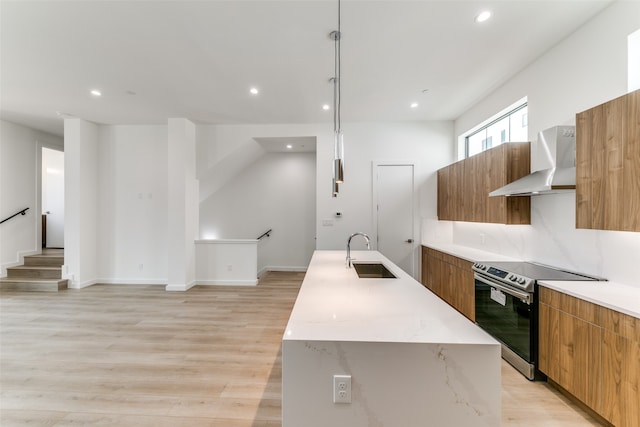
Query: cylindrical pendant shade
point(338, 155)
point(339, 171)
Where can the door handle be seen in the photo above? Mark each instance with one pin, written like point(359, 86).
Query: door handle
point(409, 241)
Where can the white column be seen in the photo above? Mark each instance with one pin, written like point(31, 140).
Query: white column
point(80, 203)
point(183, 205)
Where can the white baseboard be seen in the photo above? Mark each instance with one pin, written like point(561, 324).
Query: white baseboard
point(161, 282)
point(180, 288)
point(85, 284)
point(227, 282)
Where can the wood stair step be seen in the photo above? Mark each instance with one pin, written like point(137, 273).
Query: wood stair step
point(32, 285)
point(34, 271)
point(50, 260)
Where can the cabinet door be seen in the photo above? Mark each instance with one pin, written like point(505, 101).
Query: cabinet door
point(580, 363)
point(549, 341)
point(631, 164)
point(620, 380)
point(465, 291)
point(464, 186)
point(444, 194)
point(608, 165)
point(435, 274)
point(456, 203)
point(473, 195)
point(620, 368)
point(495, 208)
point(425, 278)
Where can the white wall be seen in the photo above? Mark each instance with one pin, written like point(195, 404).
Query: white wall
point(81, 202)
point(183, 209)
point(586, 69)
point(20, 157)
point(428, 144)
point(262, 191)
point(132, 204)
point(275, 192)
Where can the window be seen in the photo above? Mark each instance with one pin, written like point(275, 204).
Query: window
point(504, 127)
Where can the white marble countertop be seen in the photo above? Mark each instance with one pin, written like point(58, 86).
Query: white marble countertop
point(470, 254)
point(616, 296)
point(334, 304)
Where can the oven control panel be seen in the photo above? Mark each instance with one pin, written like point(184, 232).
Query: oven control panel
point(504, 276)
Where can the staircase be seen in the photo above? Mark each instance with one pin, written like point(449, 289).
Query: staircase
point(40, 273)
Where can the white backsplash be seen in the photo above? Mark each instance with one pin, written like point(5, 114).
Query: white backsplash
point(552, 239)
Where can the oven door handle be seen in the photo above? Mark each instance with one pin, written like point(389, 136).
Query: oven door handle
point(522, 295)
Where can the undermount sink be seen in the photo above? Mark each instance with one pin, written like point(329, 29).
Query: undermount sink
point(371, 270)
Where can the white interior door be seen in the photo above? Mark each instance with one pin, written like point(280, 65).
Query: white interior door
point(394, 212)
point(53, 196)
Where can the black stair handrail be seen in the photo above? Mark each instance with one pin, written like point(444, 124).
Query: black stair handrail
point(265, 234)
point(22, 212)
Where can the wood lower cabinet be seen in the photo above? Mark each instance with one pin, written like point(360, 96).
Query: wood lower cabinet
point(620, 368)
point(608, 165)
point(451, 278)
point(464, 186)
point(593, 353)
point(580, 364)
point(569, 345)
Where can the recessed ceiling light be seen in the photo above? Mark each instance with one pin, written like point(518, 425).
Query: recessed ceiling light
point(414, 105)
point(289, 146)
point(254, 90)
point(325, 107)
point(64, 115)
point(96, 92)
point(483, 16)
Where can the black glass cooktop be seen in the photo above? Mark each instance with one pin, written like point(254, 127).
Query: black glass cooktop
point(532, 271)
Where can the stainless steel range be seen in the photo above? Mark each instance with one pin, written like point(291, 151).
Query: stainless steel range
point(507, 307)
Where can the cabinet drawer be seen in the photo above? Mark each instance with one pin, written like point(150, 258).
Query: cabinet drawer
point(621, 324)
point(574, 306)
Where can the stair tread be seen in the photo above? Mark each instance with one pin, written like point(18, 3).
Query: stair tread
point(32, 267)
point(29, 279)
point(33, 285)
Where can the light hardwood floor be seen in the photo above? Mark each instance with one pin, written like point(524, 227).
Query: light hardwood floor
point(112, 355)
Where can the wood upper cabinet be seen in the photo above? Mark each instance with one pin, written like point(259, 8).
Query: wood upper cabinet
point(451, 278)
point(608, 165)
point(593, 353)
point(464, 186)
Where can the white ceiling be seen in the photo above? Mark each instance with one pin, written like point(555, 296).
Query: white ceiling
point(197, 59)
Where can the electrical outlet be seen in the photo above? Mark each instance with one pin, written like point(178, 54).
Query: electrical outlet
point(229, 267)
point(342, 389)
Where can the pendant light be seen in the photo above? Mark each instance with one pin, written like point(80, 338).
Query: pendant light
point(338, 142)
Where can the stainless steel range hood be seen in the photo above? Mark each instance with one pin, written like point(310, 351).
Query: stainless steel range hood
point(556, 146)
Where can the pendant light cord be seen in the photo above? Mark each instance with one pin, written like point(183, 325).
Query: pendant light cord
point(335, 84)
point(339, 76)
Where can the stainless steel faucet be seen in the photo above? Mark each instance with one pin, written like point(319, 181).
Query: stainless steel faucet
point(349, 246)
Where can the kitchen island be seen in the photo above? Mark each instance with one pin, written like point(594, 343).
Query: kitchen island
point(413, 360)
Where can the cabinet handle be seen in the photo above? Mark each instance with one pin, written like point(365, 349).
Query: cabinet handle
point(409, 241)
